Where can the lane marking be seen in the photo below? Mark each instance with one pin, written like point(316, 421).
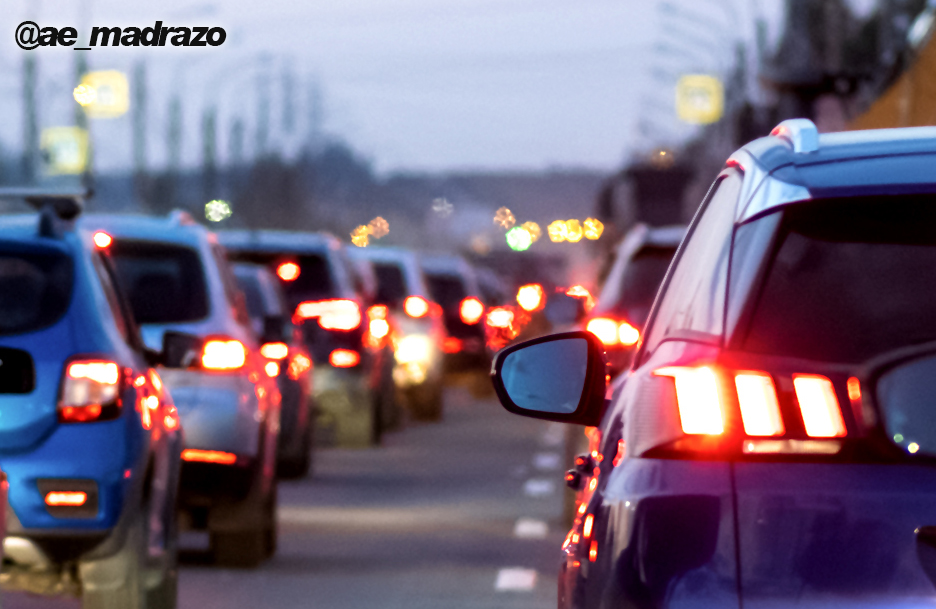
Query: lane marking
point(546, 461)
point(538, 487)
point(515, 579)
point(554, 435)
point(530, 528)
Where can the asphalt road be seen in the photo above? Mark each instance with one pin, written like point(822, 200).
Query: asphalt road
point(465, 513)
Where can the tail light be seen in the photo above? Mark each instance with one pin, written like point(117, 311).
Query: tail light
point(298, 365)
point(288, 271)
point(331, 314)
point(221, 354)
point(272, 369)
point(102, 240)
point(452, 344)
point(275, 351)
point(500, 317)
point(66, 498)
point(416, 306)
point(344, 358)
point(530, 297)
point(757, 398)
point(700, 409)
point(819, 406)
point(612, 332)
point(377, 324)
point(471, 310)
point(209, 456)
point(90, 391)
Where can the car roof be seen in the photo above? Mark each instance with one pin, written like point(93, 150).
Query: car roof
point(278, 240)
point(177, 227)
point(407, 260)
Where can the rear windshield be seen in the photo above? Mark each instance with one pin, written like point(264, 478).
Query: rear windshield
point(35, 289)
point(642, 278)
point(164, 283)
point(849, 279)
point(391, 285)
point(314, 282)
point(250, 286)
point(447, 290)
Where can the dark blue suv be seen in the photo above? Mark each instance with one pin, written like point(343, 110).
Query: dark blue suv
point(89, 438)
point(774, 442)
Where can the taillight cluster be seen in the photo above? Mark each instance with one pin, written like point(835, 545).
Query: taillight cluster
point(337, 314)
point(704, 395)
point(90, 391)
point(612, 332)
point(223, 354)
point(471, 310)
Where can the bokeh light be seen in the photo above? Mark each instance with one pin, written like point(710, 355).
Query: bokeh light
point(557, 231)
point(378, 227)
point(288, 271)
point(442, 207)
point(217, 210)
point(519, 239)
point(534, 229)
point(85, 94)
point(574, 231)
point(530, 297)
point(593, 229)
point(360, 236)
point(504, 218)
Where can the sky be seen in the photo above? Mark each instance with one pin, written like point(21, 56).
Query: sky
point(413, 85)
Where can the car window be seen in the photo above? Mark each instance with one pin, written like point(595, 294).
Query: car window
point(113, 301)
point(250, 286)
point(694, 297)
point(35, 288)
point(391, 285)
point(314, 281)
point(848, 280)
point(164, 283)
point(447, 290)
point(641, 279)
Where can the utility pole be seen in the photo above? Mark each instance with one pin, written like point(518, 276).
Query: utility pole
point(174, 145)
point(209, 156)
point(138, 108)
point(30, 120)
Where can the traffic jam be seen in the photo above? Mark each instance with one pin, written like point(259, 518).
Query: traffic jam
point(462, 338)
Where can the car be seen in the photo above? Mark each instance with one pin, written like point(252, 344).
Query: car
point(622, 306)
point(453, 284)
point(289, 363)
point(773, 441)
point(420, 332)
point(91, 440)
point(177, 280)
point(351, 382)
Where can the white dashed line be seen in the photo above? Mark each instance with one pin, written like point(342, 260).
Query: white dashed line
point(554, 435)
point(546, 461)
point(515, 579)
point(537, 487)
point(529, 528)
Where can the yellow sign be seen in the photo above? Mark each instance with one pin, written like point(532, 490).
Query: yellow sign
point(65, 150)
point(104, 94)
point(700, 99)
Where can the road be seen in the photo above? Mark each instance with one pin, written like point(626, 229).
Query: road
point(465, 513)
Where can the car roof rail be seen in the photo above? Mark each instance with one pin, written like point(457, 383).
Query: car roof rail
point(801, 133)
point(180, 217)
point(57, 208)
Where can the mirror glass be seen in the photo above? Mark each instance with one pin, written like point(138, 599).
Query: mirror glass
point(547, 377)
point(905, 395)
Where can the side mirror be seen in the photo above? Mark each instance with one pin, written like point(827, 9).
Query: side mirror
point(274, 329)
point(181, 350)
point(560, 377)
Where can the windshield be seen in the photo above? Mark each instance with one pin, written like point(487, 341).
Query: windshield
point(447, 290)
point(164, 283)
point(849, 280)
point(391, 286)
point(35, 289)
point(314, 281)
point(639, 285)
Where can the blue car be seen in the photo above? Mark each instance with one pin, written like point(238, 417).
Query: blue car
point(89, 437)
point(774, 441)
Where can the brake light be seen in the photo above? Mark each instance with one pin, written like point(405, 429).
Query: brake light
point(89, 387)
point(416, 306)
point(331, 314)
point(471, 310)
point(288, 271)
point(593, 551)
point(530, 297)
point(854, 389)
point(275, 351)
point(102, 240)
point(344, 358)
point(220, 354)
point(697, 398)
point(500, 317)
point(587, 527)
point(209, 456)
point(628, 334)
point(760, 410)
point(605, 329)
point(66, 498)
point(452, 345)
point(819, 406)
point(272, 369)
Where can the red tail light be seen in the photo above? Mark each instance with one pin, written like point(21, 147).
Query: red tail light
point(90, 391)
point(66, 498)
point(530, 297)
point(452, 345)
point(416, 306)
point(471, 310)
point(221, 354)
point(700, 408)
point(344, 358)
point(612, 332)
point(500, 317)
point(288, 271)
point(821, 413)
point(272, 369)
point(760, 410)
point(209, 456)
point(331, 314)
point(275, 351)
point(102, 240)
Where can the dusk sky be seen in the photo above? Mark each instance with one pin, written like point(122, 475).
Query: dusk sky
point(412, 85)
